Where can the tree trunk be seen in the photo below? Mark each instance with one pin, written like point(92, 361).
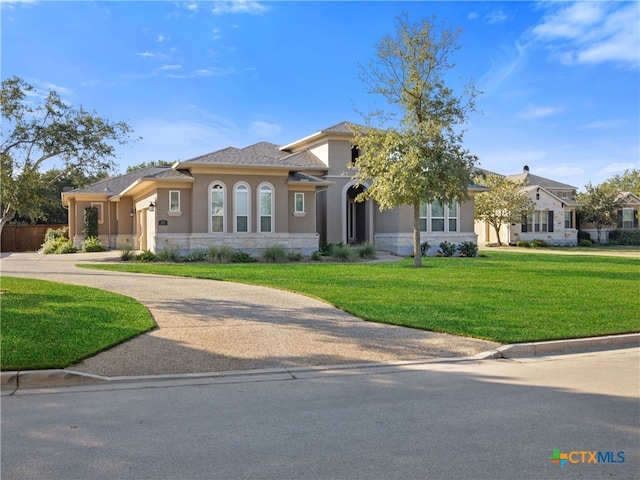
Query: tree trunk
point(7, 216)
point(497, 235)
point(417, 254)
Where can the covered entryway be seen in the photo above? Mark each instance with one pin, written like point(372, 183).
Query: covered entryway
point(357, 217)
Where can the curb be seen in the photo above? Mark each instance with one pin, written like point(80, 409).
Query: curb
point(29, 379)
point(517, 350)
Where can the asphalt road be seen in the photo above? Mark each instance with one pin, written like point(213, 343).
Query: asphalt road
point(490, 419)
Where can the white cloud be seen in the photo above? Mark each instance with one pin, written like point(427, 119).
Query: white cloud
point(502, 69)
point(559, 171)
point(592, 32)
point(176, 140)
point(473, 16)
point(497, 16)
point(618, 167)
point(265, 129)
point(146, 54)
point(603, 125)
point(161, 38)
point(239, 6)
point(193, 7)
point(169, 67)
point(534, 112)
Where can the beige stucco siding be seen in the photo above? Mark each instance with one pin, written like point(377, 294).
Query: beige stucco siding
point(339, 156)
point(200, 199)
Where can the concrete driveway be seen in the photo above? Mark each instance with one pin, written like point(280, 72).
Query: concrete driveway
point(211, 326)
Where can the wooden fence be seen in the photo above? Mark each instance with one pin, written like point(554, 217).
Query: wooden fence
point(24, 238)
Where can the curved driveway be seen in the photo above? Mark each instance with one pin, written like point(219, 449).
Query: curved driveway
point(212, 326)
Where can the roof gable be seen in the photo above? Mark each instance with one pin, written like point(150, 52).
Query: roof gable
point(262, 154)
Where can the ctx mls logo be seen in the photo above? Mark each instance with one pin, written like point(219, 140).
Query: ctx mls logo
point(585, 456)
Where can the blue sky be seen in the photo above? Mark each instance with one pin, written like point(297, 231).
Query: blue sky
point(561, 80)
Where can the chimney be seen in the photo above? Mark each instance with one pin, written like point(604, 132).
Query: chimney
point(525, 169)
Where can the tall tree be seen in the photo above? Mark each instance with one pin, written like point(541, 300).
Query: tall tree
point(412, 153)
point(599, 205)
point(504, 204)
point(52, 130)
point(629, 181)
point(152, 163)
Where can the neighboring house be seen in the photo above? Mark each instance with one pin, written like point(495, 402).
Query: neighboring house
point(299, 196)
point(553, 219)
point(627, 218)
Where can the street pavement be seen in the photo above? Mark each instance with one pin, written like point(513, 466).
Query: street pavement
point(455, 419)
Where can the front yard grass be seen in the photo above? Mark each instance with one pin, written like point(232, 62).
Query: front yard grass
point(506, 297)
point(52, 325)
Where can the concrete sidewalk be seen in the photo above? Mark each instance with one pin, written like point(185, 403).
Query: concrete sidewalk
point(211, 326)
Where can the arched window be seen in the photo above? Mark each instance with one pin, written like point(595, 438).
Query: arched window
point(217, 196)
point(265, 206)
point(241, 223)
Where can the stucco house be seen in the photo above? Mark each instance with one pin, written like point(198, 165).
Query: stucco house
point(553, 220)
point(299, 195)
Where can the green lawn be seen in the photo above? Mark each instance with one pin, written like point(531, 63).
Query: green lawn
point(507, 297)
point(51, 325)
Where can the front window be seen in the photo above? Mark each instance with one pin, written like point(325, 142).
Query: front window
point(538, 222)
point(439, 217)
point(174, 200)
point(627, 218)
point(217, 208)
point(98, 206)
point(568, 219)
point(266, 208)
point(242, 208)
point(299, 202)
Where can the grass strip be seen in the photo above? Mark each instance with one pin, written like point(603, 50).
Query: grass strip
point(507, 297)
point(52, 325)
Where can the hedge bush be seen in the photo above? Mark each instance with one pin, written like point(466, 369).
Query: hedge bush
point(624, 237)
point(448, 249)
point(468, 249)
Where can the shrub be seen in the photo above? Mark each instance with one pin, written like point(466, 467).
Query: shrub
point(197, 256)
point(325, 250)
point(58, 245)
point(582, 235)
point(242, 257)
point(127, 250)
point(585, 243)
point(90, 222)
point(92, 244)
point(147, 256)
point(523, 243)
point(275, 254)
point(316, 256)
point(624, 237)
point(366, 250)
point(447, 248)
point(538, 243)
point(53, 233)
point(343, 253)
point(56, 242)
point(294, 257)
point(168, 255)
point(468, 249)
point(424, 249)
point(222, 254)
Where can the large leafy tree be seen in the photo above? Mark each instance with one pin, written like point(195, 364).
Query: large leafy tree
point(78, 140)
point(152, 163)
point(629, 181)
point(505, 203)
point(412, 152)
point(599, 205)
